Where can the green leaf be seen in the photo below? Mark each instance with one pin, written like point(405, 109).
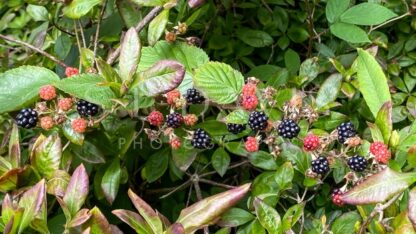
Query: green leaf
point(346, 223)
point(412, 206)
point(263, 160)
point(220, 161)
point(349, 33)
point(111, 181)
point(375, 132)
point(291, 216)
point(372, 82)
point(157, 27)
point(146, 212)
point(254, 38)
point(156, 165)
point(38, 13)
point(367, 14)
point(284, 176)
point(78, 8)
point(329, 90)
point(32, 201)
point(109, 74)
point(334, 9)
point(70, 134)
point(379, 187)
point(384, 121)
point(149, 2)
point(292, 61)
point(19, 87)
point(239, 116)
point(77, 190)
point(134, 220)
point(214, 79)
point(98, 223)
point(88, 87)
point(58, 184)
point(163, 77)
point(298, 158)
point(129, 54)
point(268, 217)
point(87, 57)
point(235, 217)
point(46, 156)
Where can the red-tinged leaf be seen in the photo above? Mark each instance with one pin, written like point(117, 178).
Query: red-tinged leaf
point(46, 156)
point(64, 208)
point(162, 77)
point(134, 220)
point(176, 228)
point(195, 3)
point(8, 181)
point(13, 225)
point(80, 218)
point(165, 221)
point(14, 147)
point(146, 212)
point(402, 224)
point(115, 229)
point(98, 223)
point(411, 156)
point(209, 210)
point(77, 190)
point(384, 121)
point(7, 209)
point(129, 54)
point(412, 207)
point(111, 181)
point(58, 183)
point(32, 201)
point(379, 187)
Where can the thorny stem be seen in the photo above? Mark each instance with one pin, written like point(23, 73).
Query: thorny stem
point(139, 27)
point(97, 32)
point(379, 208)
point(51, 57)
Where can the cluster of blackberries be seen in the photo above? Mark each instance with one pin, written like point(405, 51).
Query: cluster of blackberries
point(288, 129)
point(27, 118)
point(174, 120)
point(320, 165)
point(345, 131)
point(201, 139)
point(257, 120)
point(357, 163)
point(194, 96)
point(86, 109)
point(236, 128)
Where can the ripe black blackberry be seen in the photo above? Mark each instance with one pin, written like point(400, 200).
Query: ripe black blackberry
point(320, 165)
point(194, 96)
point(174, 120)
point(345, 131)
point(85, 108)
point(357, 163)
point(236, 128)
point(257, 120)
point(288, 129)
point(27, 118)
point(201, 139)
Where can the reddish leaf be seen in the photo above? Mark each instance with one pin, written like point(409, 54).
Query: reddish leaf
point(195, 3)
point(379, 187)
point(14, 147)
point(46, 155)
point(412, 207)
point(7, 208)
point(146, 212)
point(98, 223)
point(58, 183)
point(77, 190)
point(13, 225)
point(130, 54)
point(80, 218)
point(111, 181)
point(134, 220)
point(176, 228)
point(209, 210)
point(32, 201)
point(8, 181)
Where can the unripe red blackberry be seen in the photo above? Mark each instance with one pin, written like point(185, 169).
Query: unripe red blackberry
point(190, 119)
point(71, 71)
point(79, 125)
point(155, 118)
point(336, 197)
point(175, 143)
point(172, 96)
point(249, 102)
point(311, 142)
point(65, 104)
point(47, 92)
point(249, 89)
point(251, 144)
point(288, 129)
point(46, 122)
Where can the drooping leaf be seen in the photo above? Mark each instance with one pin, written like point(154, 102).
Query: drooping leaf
point(19, 87)
point(214, 79)
point(88, 87)
point(78, 8)
point(268, 216)
point(384, 121)
point(349, 32)
point(329, 90)
point(31, 201)
point(111, 180)
point(134, 220)
point(367, 14)
point(146, 212)
point(163, 77)
point(372, 82)
point(157, 27)
point(46, 156)
point(379, 187)
point(77, 190)
point(208, 210)
point(129, 54)
point(334, 9)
